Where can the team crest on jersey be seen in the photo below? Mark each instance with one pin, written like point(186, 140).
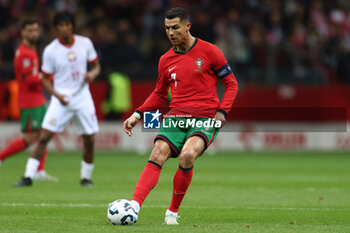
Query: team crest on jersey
point(71, 56)
point(199, 63)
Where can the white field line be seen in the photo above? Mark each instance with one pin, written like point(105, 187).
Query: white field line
point(164, 206)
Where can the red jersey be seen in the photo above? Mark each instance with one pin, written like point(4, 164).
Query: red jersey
point(26, 64)
point(193, 76)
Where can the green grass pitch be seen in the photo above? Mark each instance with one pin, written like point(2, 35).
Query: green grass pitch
point(230, 192)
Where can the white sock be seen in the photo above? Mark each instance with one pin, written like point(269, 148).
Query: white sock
point(168, 212)
point(136, 205)
point(31, 168)
point(86, 170)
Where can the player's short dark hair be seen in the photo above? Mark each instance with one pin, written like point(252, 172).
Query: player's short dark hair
point(63, 16)
point(177, 12)
point(29, 21)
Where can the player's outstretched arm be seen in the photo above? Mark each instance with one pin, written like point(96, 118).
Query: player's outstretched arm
point(48, 86)
point(129, 124)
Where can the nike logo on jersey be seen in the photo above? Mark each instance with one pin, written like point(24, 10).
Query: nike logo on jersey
point(171, 68)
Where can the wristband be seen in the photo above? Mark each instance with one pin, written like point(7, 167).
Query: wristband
point(137, 115)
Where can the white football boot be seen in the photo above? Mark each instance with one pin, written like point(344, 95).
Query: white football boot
point(43, 176)
point(171, 218)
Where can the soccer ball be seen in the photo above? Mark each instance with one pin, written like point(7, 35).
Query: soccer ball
point(121, 212)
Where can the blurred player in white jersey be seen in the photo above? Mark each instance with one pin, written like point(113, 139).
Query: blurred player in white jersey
point(67, 58)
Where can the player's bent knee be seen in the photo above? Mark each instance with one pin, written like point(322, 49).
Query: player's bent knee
point(187, 158)
point(31, 137)
point(156, 156)
point(159, 154)
point(30, 140)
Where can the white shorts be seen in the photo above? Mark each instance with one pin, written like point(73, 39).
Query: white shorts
point(80, 109)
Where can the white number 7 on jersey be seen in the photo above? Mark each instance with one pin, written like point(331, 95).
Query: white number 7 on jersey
point(173, 76)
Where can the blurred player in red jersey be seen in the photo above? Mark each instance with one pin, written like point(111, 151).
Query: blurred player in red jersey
point(191, 68)
point(31, 99)
point(67, 58)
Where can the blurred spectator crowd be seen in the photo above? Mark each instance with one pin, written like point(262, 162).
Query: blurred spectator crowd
point(266, 42)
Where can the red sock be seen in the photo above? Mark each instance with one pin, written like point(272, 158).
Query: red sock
point(147, 181)
point(182, 180)
point(42, 161)
point(14, 147)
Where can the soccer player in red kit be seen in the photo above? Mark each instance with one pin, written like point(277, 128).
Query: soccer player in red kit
point(31, 99)
point(191, 68)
